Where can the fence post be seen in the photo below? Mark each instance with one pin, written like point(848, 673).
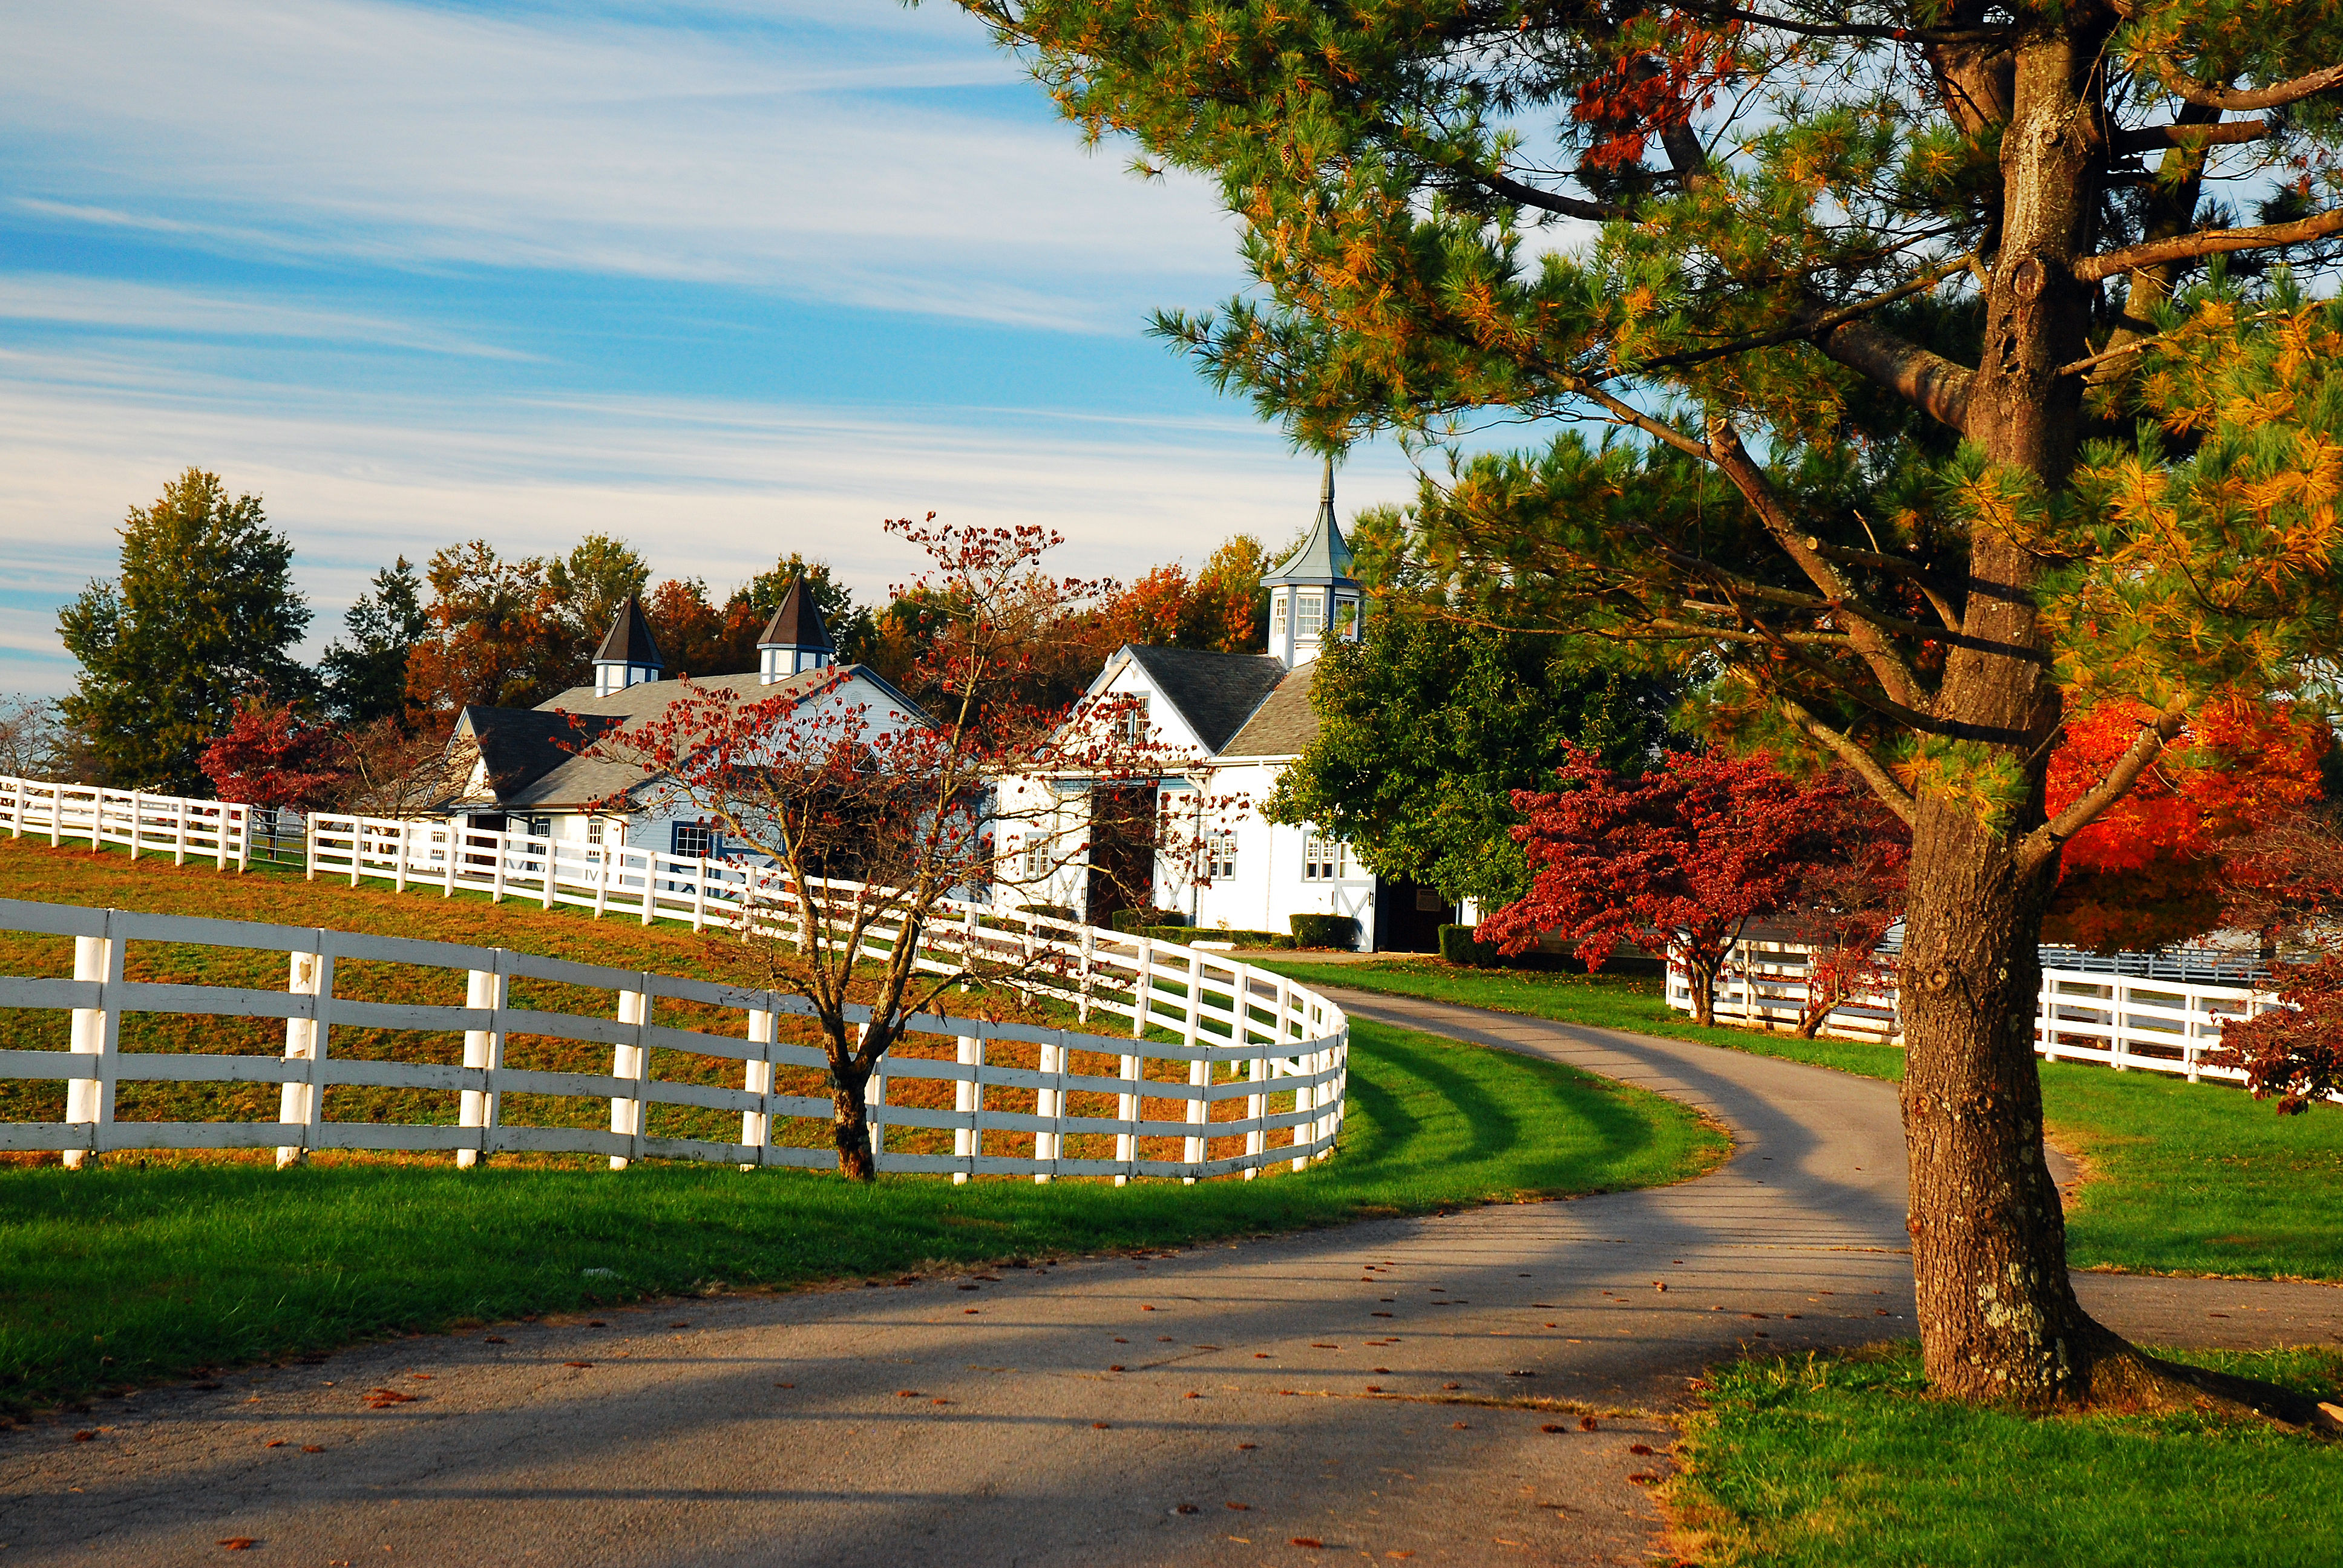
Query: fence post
point(179, 815)
point(629, 1062)
point(16, 817)
point(484, 1051)
point(504, 853)
point(136, 811)
point(1285, 1022)
point(308, 848)
point(97, 1032)
point(700, 896)
point(1200, 1073)
point(1257, 1102)
point(550, 850)
point(302, 1104)
point(56, 815)
point(757, 1126)
point(398, 856)
point(968, 1100)
point(650, 892)
point(601, 879)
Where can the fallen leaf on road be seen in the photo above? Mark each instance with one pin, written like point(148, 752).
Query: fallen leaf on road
point(1245, 1446)
point(1587, 1423)
point(907, 1394)
point(274, 1442)
point(84, 1436)
point(1240, 1507)
point(1550, 1426)
point(1643, 1478)
point(312, 1448)
point(238, 1542)
point(1310, 1541)
point(1099, 1425)
point(494, 1340)
point(1457, 1425)
point(1639, 1448)
point(578, 1363)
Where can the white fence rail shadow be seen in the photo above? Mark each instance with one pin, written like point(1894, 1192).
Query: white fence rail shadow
point(2167, 1019)
point(1244, 1035)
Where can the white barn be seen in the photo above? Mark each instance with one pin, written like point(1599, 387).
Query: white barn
point(521, 769)
point(1233, 722)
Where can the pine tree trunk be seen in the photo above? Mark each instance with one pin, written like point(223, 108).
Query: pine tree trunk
point(1998, 1318)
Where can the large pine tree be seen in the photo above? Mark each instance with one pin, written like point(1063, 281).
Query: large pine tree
point(1927, 417)
point(204, 613)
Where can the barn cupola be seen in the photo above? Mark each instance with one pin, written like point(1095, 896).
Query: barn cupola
point(795, 640)
point(629, 655)
point(1311, 595)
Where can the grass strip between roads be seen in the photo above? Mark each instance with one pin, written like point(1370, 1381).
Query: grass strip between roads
point(147, 1267)
point(2185, 1178)
point(1843, 1462)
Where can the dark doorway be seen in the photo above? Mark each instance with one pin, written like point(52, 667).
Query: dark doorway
point(1123, 853)
point(1408, 917)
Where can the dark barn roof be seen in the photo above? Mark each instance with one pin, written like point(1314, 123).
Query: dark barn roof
point(797, 622)
point(1214, 692)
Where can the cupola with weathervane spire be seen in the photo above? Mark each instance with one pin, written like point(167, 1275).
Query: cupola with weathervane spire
point(1312, 594)
point(629, 656)
point(795, 640)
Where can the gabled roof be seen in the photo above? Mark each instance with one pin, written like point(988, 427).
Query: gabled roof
point(797, 622)
point(566, 778)
point(1285, 724)
point(629, 640)
point(520, 747)
point(1214, 692)
point(1325, 555)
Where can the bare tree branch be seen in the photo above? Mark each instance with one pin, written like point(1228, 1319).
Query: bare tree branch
point(1856, 30)
point(1812, 326)
point(2209, 242)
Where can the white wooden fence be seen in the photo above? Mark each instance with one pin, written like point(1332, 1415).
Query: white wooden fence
point(1243, 1034)
point(216, 830)
point(2149, 1011)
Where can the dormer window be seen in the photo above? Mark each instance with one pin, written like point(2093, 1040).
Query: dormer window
point(1309, 612)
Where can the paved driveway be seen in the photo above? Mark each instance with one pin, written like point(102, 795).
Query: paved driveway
point(1405, 1390)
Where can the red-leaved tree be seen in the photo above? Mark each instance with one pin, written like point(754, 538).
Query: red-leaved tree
point(868, 820)
point(2146, 873)
point(2294, 1052)
point(271, 757)
point(1678, 860)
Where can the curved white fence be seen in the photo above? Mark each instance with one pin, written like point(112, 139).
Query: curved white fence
point(1236, 1033)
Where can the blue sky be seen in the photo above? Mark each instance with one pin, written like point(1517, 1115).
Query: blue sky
point(727, 279)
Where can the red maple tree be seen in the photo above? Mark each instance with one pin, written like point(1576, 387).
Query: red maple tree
point(2294, 1052)
point(272, 757)
point(1677, 861)
point(2146, 874)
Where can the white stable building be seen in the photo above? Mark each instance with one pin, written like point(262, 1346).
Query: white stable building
point(526, 770)
point(1234, 722)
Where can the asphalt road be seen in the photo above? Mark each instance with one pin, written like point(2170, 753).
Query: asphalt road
point(1407, 1389)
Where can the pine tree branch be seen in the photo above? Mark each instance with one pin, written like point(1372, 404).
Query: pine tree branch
point(1814, 326)
point(2156, 138)
point(1938, 386)
point(1887, 667)
point(2045, 841)
point(2276, 96)
point(1850, 752)
point(2209, 242)
point(1514, 190)
point(1857, 30)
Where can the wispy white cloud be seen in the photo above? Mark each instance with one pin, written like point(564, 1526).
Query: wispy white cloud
point(57, 299)
point(715, 490)
point(789, 159)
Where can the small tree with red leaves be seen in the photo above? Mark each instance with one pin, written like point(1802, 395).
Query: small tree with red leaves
point(1677, 861)
point(2294, 1052)
point(870, 821)
point(1850, 893)
point(273, 758)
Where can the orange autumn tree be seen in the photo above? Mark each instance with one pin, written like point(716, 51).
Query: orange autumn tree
point(2146, 873)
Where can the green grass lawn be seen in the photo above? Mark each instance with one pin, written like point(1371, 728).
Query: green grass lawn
point(125, 1276)
point(1845, 1462)
point(2187, 1179)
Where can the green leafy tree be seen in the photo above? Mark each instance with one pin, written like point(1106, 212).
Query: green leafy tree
point(364, 671)
point(852, 626)
point(1931, 418)
point(205, 613)
point(1425, 729)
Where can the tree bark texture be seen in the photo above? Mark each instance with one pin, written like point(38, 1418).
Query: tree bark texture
point(850, 1123)
point(1998, 1318)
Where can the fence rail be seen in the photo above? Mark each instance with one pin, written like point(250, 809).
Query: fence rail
point(1245, 1035)
point(2157, 1019)
point(1283, 1041)
point(173, 825)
